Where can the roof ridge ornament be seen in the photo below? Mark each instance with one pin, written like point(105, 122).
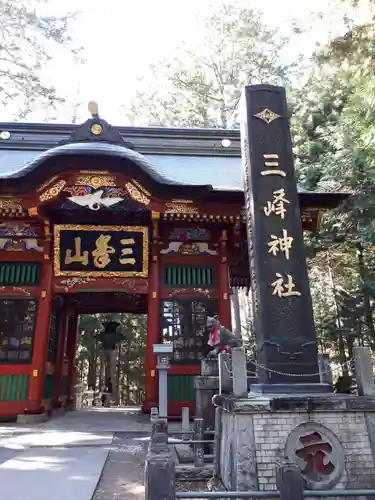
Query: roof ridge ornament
point(93, 109)
point(95, 129)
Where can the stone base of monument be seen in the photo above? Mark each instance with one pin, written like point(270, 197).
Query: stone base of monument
point(291, 388)
point(206, 386)
point(330, 437)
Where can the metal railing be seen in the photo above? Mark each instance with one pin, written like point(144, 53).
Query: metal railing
point(273, 494)
point(160, 475)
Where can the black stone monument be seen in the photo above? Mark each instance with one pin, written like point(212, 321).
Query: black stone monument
point(283, 316)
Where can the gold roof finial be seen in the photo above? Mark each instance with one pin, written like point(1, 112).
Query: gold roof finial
point(93, 109)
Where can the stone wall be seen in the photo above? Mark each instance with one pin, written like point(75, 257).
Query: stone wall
point(254, 438)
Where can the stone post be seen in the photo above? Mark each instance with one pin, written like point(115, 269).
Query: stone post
point(79, 395)
point(154, 414)
point(198, 447)
point(325, 369)
point(206, 385)
point(225, 379)
point(209, 367)
point(289, 481)
point(239, 372)
point(162, 366)
point(364, 371)
point(185, 423)
point(217, 449)
point(160, 466)
point(90, 397)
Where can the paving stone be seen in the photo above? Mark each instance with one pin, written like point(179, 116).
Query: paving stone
point(123, 474)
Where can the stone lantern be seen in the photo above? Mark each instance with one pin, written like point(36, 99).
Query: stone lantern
point(109, 338)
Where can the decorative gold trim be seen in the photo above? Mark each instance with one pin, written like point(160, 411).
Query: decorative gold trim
point(136, 194)
point(267, 115)
point(52, 192)
point(180, 208)
point(144, 190)
point(177, 200)
point(155, 215)
point(72, 227)
point(10, 204)
point(46, 184)
point(94, 172)
point(96, 181)
point(96, 129)
point(154, 295)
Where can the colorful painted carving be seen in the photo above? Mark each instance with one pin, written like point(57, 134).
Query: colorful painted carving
point(95, 200)
point(188, 248)
point(20, 245)
point(189, 234)
point(18, 229)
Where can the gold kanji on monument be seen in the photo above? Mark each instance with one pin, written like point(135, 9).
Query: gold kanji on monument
point(277, 205)
point(271, 163)
point(282, 288)
point(280, 244)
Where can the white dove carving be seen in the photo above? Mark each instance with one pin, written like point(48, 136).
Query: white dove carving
point(94, 200)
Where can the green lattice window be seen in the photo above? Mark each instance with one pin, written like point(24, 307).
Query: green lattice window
point(20, 273)
point(189, 276)
point(181, 388)
point(13, 387)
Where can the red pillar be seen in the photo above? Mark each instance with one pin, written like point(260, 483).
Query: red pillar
point(224, 283)
point(42, 326)
point(153, 319)
point(59, 358)
point(71, 347)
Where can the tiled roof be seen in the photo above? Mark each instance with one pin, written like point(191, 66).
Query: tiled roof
point(223, 173)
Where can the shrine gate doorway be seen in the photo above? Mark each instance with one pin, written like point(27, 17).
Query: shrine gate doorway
point(91, 226)
point(78, 319)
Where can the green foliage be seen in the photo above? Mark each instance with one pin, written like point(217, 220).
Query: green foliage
point(335, 148)
point(130, 355)
point(28, 40)
point(201, 85)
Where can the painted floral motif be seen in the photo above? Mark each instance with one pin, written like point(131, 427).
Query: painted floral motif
point(18, 229)
point(72, 282)
point(16, 289)
point(184, 291)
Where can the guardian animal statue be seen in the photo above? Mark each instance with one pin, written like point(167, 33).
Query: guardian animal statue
point(220, 338)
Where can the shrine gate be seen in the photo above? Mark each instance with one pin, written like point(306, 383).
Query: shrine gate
point(95, 218)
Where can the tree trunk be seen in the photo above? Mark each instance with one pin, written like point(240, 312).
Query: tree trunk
point(91, 374)
point(236, 311)
point(118, 374)
point(342, 353)
point(366, 297)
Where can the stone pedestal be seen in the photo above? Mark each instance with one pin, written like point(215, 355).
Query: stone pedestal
point(330, 437)
point(206, 386)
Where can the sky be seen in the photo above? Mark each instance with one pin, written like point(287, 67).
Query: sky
point(121, 39)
